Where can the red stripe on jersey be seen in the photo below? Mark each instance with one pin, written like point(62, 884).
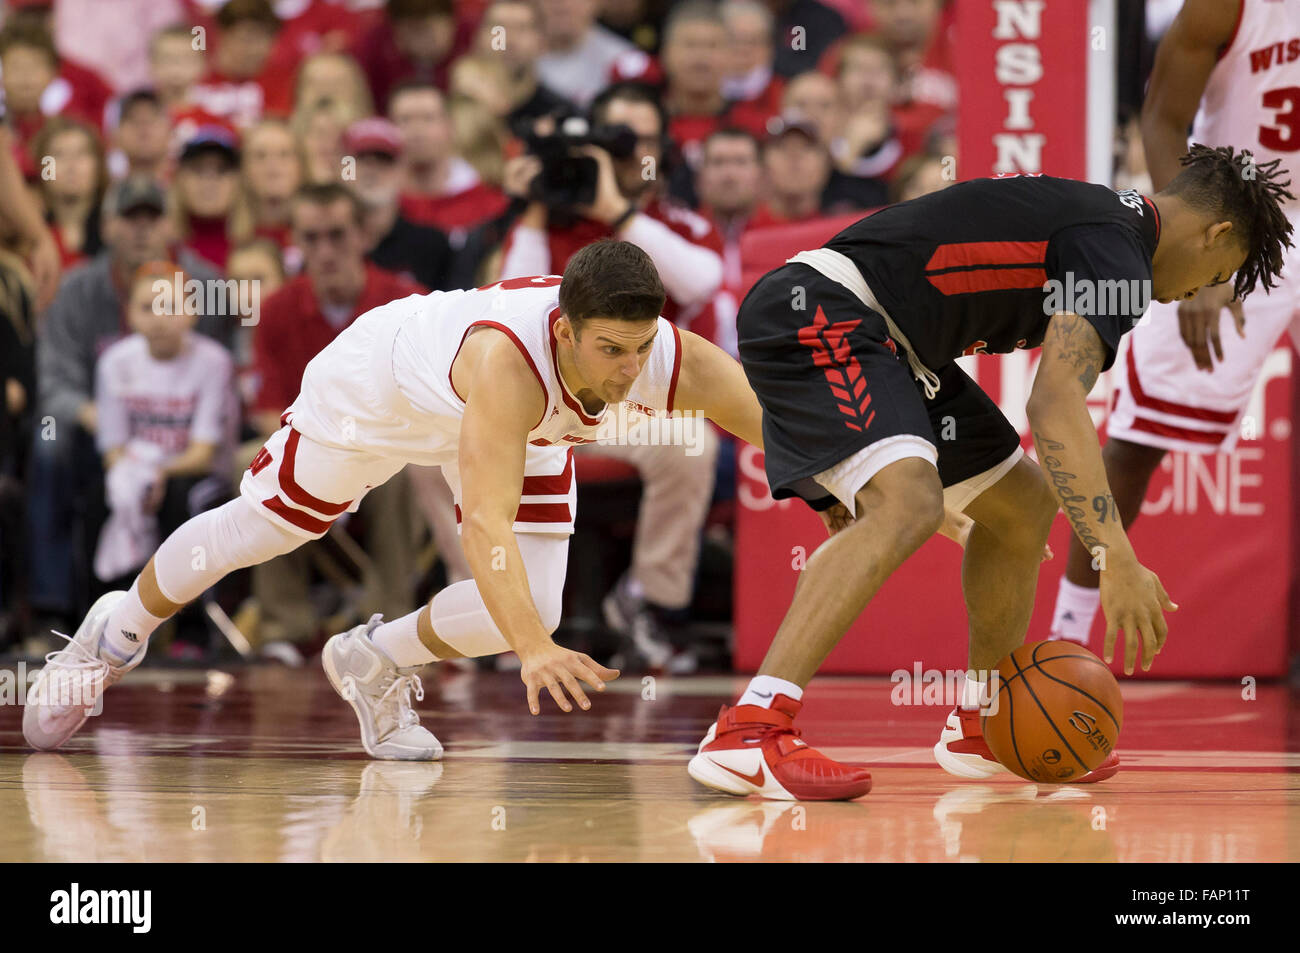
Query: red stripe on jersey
point(677, 367)
point(537, 513)
point(296, 493)
point(981, 254)
point(1177, 433)
point(522, 350)
point(296, 517)
point(987, 279)
point(555, 484)
point(1143, 399)
point(1156, 212)
point(286, 418)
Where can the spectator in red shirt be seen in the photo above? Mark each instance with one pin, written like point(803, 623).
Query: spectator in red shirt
point(73, 191)
point(203, 194)
point(77, 90)
point(240, 87)
point(729, 182)
point(796, 168)
point(441, 189)
point(141, 137)
point(416, 40)
point(913, 30)
point(750, 83)
point(335, 288)
point(175, 67)
point(30, 65)
point(694, 64)
point(272, 170)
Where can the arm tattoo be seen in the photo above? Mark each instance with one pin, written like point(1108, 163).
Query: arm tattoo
point(1070, 500)
point(1077, 342)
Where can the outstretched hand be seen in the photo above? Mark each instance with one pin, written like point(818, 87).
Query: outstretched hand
point(559, 670)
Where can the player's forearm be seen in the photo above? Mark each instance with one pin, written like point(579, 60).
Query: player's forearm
point(1163, 140)
point(498, 569)
point(1070, 455)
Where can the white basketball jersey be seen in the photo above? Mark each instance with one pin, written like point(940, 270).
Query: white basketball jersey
point(525, 309)
point(1252, 98)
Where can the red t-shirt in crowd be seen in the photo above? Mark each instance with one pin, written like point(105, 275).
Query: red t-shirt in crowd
point(242, 102)
point(459, 210)
point(292, 329)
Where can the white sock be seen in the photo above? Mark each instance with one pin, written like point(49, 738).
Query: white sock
point(972, 692)
point(400, 641)
point(763, 689)
point(129, 626)
point(1076, 607)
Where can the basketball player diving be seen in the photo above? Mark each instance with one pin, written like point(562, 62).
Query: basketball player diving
point(495, 385)
point(851, 349)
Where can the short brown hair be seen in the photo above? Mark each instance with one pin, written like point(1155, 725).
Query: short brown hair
point(29, 34)
point(327, 193)
point(242, 11)
point(419, 9)
point(611, 279)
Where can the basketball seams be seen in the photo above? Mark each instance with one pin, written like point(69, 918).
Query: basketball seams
point(1011, 717)
point(1048, 718)
point(1087, 695)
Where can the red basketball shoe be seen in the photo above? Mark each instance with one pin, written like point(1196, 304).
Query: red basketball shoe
point(755, 750)
point(962, 751)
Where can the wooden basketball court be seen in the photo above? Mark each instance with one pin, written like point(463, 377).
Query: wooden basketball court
point(265, 764)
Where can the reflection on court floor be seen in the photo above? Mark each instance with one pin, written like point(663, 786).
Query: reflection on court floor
point(264, 764)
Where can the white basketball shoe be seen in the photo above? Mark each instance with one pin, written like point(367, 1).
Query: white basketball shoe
point(71, 686)
point(380, 693)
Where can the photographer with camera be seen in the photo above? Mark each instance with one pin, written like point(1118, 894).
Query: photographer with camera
point(601, 180)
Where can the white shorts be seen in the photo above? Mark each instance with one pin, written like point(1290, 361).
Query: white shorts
point(850, 475)
point(1162, 400)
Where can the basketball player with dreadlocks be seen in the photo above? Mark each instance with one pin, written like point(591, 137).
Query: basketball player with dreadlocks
point(851, 350)
point(1184, 377)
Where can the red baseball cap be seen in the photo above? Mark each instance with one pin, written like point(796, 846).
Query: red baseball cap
point(374, 134)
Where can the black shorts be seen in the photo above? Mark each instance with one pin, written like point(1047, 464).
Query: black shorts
point(831, 381)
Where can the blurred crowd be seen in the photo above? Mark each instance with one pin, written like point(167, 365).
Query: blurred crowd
point(285, 165)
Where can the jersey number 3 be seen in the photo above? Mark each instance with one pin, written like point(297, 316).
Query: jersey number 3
point(1284, 134)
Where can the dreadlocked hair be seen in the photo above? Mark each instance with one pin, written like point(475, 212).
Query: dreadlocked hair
point(1232, 186)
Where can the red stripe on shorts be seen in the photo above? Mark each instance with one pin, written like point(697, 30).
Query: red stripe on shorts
point(297, 517)
point(1143, 399)
point(297, 494)
point(1177, 433)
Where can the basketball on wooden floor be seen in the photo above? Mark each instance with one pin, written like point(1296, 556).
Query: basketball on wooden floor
point(1054, 713)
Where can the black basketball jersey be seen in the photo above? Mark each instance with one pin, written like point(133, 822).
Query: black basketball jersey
point(981, 266)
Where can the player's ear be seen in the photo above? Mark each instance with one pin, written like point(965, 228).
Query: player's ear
point(566, 331)
point(1218, 233)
